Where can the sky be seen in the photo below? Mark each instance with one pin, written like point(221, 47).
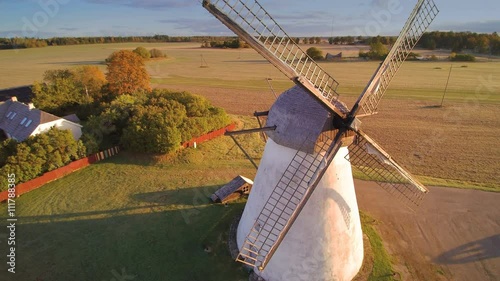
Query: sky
point(51, 18)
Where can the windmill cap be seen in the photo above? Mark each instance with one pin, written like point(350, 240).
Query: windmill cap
point(298, 116)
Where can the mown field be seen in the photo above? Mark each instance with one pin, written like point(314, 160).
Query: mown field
point(455, 145)
point(138, 217)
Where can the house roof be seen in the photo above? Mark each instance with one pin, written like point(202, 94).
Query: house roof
point(233, 186)
point(19, 120)
point(73, 118)
point(22, 93)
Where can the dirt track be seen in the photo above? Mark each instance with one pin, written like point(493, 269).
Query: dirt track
point(453, 235)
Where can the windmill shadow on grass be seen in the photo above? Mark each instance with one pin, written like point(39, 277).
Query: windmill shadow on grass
point(191, 198)
point(138, 246)
point(484, 249)
point(195, 196)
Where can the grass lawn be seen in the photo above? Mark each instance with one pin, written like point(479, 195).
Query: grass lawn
point(140, 217)
point(150, 218)
point(454, 145)
point(448, 146)
point(381, 261)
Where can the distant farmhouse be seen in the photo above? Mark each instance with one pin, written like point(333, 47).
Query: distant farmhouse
point(19, 121)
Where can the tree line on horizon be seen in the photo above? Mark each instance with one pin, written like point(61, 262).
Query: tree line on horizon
point(455, 41)
point(25, 42)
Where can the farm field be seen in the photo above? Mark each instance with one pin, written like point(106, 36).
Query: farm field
point(143, 218)
point(455, 145)
point(140, 217)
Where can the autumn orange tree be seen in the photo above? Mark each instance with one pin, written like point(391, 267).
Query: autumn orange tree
point(127, 73)
point(91, 79)
point(66, 91)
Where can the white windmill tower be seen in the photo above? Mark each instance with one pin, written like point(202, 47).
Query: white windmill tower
point(301, 221)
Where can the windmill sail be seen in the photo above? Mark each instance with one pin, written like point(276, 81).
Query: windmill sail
point(370, 159)
point(285, 203)
point(424, 13)
point(249, 20)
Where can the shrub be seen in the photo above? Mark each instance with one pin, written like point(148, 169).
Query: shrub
point(462, 57)
point(315, 53)
point(155, 53)
point(154, 129)
point(153, 123)
point(378, 51)
point(232, 44)
point(39, 154)
point(142, 52)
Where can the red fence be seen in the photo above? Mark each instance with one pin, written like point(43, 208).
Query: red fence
point(61, 172)
point(209, 136)
point(82, 163)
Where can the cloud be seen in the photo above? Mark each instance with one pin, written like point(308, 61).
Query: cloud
point(200, 26)
point(69, 28)
point(147, 4)
point(22, 33)
point(488, 26)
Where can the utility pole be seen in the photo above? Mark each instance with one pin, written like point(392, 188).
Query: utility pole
point(446, 88)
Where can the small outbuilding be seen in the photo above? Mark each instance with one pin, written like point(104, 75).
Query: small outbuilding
point(331, 57)
point(236, 188)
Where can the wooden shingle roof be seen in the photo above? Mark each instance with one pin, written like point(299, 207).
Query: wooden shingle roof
point(19, 120)
point(239, 185)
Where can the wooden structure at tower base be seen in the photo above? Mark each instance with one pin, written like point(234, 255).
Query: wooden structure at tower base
point(235, 189)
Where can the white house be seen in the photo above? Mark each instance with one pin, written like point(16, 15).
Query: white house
point(19, 121)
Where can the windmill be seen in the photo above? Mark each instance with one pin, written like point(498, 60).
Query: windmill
point(302, 218)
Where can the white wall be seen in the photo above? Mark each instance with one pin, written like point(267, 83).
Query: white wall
point(326, 241)
point(61, 124)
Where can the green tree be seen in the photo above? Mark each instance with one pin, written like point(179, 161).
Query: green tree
point(60, 148)
point(127, 73)
point(24, 164)
point(42, 153)
point(196, 106)
point(58, 93)
point(142, 52)
point(64, 91)
point(483, 44)
point(378, 50)
point(7, 148)
point(315, 53)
